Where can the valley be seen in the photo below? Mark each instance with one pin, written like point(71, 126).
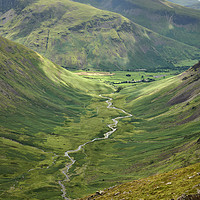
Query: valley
point(144, 143)
point(113, 128)
point(99, 100)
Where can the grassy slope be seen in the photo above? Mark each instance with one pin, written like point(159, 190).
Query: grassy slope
point(37, 98)
point(163, 17)
point(169, 185)
point(161, 136)
point(28, 80)
point(90, 39)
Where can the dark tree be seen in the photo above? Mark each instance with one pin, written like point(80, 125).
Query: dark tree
point(119, 88)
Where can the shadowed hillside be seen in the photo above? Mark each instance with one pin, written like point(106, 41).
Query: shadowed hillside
point(163, 17)
point(93, 38)
point(31, 83)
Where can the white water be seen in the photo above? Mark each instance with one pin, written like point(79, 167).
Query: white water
point(113, 128)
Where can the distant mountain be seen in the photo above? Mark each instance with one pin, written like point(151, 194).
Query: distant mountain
point(163, 17)
point(184, 2)
point(195, 6)
point(78, 36)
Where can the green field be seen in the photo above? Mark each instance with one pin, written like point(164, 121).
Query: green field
point(117, 78)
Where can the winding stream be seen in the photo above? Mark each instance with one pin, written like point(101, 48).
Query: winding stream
point(113, 128)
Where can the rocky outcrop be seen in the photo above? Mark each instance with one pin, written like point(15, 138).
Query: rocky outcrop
point(189, 197)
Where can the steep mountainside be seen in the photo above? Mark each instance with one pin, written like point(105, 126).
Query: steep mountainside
point(80, 36)
point(163, 17)
point(31, 82)
point(37, 98)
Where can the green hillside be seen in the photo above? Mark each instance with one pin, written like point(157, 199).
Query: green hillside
point(161, 136)
point(37, 98)
point(78, 36)
point(163, 17)
point(178, 184)
point(30, 82)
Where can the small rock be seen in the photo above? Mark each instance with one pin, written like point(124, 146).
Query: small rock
point(198, 185)
point(111, 187)
point(189, 197)
point(183, 196)
point(198, 173)
point(100, 192)
point(191, 176)
point(116, 193)
point(169, 183)
point(124, 192)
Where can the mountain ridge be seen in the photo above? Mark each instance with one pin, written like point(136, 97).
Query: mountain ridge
point(162, 17)
point(94, 39)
